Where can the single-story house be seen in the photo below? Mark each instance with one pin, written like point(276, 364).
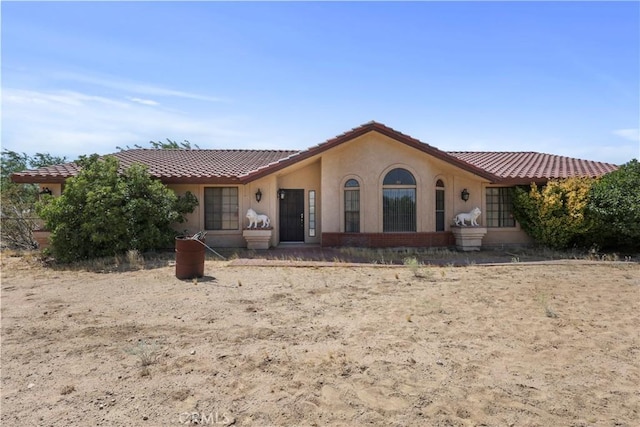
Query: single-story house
point(371, 186)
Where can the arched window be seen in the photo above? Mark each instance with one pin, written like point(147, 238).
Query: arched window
point(399, 177)
point(352, 206)
point(440, 215)
point(399, 201)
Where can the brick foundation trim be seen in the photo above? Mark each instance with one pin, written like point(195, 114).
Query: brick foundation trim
point(389, 240)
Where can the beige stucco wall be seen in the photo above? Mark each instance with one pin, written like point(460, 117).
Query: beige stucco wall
point(56, 190)
point(195, 220)
point(266, 206)
point(268, 203)
point(305, 176)
point(506, 237)
point(368, 159)
point(498, 237)
point(193, 223)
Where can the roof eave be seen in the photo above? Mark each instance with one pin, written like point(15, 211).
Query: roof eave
point(513, 181)
point(198, 180)
point(20, 178)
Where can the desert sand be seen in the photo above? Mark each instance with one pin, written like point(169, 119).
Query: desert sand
point(299, 344)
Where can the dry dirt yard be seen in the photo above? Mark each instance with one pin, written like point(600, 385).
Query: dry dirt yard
point(288, 345)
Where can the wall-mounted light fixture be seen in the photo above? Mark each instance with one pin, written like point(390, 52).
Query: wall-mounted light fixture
point(281, 194)
point(464, 195)
point(258, 195)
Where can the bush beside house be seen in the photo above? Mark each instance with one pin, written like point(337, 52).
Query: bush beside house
point(103, 212)
point(554, 214)
point(614, 207)
point(584, 212)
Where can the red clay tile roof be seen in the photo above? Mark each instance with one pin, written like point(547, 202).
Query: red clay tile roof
point(175, 166)
point(242, 166)
point(528, 167)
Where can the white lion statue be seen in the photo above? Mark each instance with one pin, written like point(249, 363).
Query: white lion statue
point(255, 218)
point(472, 217)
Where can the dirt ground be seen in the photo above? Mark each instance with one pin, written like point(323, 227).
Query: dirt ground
point(288, 345)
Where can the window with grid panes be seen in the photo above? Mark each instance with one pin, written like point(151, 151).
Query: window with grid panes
point(221, 208)
point(399, 201)
point(499, 207)
point(352, 206)
point(440, 205)
point(312, 213)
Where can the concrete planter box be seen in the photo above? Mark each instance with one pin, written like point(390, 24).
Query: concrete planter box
point(469, 238)
point(257, 238)
point(42, 237)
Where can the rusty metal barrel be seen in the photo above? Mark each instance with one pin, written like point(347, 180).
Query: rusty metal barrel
point(189, 258)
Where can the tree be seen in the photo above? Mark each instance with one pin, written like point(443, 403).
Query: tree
point(169, 145)
point(17, 210)
point(614, 208)
point(103, 212)
point(13, 161)
point(554, 215)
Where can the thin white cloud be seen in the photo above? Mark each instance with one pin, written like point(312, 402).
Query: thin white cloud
point(143, 101)
point(134, 87)
point(628, 134)
point(72, 123)
point(158, 91)
point(62, 98)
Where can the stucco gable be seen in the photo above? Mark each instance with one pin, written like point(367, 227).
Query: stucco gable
point(363, 130)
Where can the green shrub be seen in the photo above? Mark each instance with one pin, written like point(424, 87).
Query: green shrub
point(104, 212)
point(554, 215)
point(614, 208)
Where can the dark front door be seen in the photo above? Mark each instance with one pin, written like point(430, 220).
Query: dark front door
point(292, 216)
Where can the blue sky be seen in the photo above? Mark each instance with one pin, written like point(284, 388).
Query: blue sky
point(555, 77)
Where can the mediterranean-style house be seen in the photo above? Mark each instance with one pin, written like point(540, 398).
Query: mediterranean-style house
point(371, 186)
